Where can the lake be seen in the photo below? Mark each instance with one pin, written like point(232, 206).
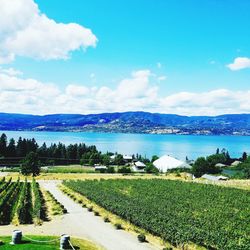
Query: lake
point(178, 146)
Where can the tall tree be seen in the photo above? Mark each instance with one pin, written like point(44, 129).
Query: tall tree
point(3, 145)
point(31, 164)
point(11, 148)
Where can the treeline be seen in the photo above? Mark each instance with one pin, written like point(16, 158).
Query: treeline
point(12, 152)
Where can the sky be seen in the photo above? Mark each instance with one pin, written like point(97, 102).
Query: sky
point(185, 57)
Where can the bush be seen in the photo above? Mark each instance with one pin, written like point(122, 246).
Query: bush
point(96, 213)
point(141, 237)
point(106, 219)
point(124, 170)
point(90, 209)
point(118, 226)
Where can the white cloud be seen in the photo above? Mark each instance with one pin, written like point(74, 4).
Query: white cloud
point(239, 63)
point(76, 90)
point(137, 92)
point(11, 71)
point(25, 31)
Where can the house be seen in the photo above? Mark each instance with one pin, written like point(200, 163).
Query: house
point(167, 162)
point(220, 165)
point(236, 163)
point(127, 158)
point(112, 157)
point(214, 178)
point(138, 166)
point(100, 168)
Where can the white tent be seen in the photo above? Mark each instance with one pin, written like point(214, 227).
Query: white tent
point(167, 162)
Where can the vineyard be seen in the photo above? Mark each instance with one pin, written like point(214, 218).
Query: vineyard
point(179, 212)
point(20, 202)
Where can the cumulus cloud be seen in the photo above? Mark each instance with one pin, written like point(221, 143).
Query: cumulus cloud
point(25, 31)
point(137, 92)
point(239, 63)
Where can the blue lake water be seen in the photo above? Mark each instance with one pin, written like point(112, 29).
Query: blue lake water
point(178, 146)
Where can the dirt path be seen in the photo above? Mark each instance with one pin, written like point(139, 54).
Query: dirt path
point(82, 224)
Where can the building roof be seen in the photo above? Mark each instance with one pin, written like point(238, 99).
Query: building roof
point(100, 167)
point(214, 178)
point(167, 162)
point(220, 165)
point(127, 157)
point(140, 164)
point(235, 163)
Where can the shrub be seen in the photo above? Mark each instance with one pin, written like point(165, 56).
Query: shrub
point(96, 213)
point(118, 226)
point(90, 209)
point(141, 237)
point(106, 219)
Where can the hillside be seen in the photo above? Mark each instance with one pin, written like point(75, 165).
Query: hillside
point(130, 122)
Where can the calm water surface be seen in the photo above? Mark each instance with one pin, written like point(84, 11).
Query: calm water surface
point(179, 146)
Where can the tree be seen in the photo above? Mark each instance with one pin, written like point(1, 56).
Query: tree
point(217, 151)
point(200, 167)
point(216, 158)
point(244, 156)
point(11, 148)
point(150, 168)
point(154, 158)
point(119, 160)
point(3, 145)
point(31, 164)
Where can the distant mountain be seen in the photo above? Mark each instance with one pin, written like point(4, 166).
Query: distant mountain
point(130, 122)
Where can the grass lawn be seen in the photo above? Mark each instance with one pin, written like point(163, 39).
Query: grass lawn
point(26, 244)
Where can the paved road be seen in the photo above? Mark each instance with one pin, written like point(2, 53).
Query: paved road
point(81, 223)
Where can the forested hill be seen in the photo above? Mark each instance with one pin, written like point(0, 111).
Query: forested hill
point(130, 122)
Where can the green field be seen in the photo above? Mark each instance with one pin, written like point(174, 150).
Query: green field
point(27, 244)
point(179, 212)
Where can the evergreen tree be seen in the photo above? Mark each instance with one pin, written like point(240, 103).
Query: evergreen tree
point(31, 164)
point(11, 148)
point(3, 145)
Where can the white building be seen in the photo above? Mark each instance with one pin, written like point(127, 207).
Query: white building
point(214, 178)
point(138, 166)
point(236, 163)
point(167, 162)
point(127, 158)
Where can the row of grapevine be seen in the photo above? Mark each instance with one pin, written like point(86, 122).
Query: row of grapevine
point(38, 211)
point(20, 202)
point(179, 212)
point(23, 212)
point(4, 184)
point(8, 200)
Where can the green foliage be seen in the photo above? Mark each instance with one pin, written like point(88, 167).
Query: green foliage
point(154, 158)
point(245, 167)
point(24, 207)
point(8, 200)
point(124, 170)
point(141, 237)
point(200, 167)
point(207, 165)
point(178, 212)
point(119, 160)
point(118, 226)
point(151, 169)
point(37, 209)
point(31, 165)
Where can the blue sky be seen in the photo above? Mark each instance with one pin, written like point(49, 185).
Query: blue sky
point(185, 46)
